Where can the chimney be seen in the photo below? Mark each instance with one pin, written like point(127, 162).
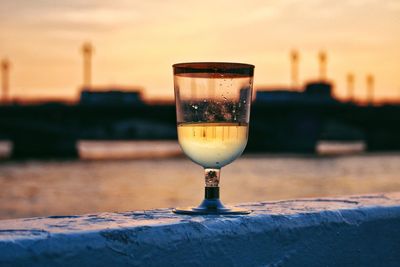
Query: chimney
point(370, 89)
point(5, 73)
point(350, 86)
point(87, 50)
point(322, 65)
point(294, 57)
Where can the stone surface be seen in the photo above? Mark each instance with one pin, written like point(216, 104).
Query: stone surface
point(346, 231)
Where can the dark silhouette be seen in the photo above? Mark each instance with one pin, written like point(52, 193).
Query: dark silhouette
point(282, 119)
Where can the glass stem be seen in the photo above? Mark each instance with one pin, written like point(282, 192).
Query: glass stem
point(212, 183)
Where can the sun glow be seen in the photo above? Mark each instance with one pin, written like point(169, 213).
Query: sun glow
point(136, 42)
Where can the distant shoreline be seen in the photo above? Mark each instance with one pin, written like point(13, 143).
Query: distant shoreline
point(160, 149)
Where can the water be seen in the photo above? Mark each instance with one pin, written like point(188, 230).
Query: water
point(39, 188)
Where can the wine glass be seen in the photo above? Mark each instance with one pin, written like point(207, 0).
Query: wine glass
point(213, 110)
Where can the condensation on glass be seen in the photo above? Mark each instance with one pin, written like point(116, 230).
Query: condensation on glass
point(213, 92)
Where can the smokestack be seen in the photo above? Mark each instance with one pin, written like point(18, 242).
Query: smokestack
point(322, 65)
point(5, 73)
point(294, 58)
point(370, 88)
point(350, 86)
point(87, 50)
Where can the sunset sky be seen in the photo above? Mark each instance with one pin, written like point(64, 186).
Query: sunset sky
point(136, 42)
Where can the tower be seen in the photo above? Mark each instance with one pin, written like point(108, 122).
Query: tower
point(294, 59)
point(370, 89)
point(350, 86)
point(5, 68)
point(322, 65)
point(87, 50)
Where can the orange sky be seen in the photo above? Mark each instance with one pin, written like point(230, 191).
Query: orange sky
point(136, 42)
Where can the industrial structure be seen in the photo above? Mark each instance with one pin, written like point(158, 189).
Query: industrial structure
point(350, 86)
point(87, 50)
point(286, 119)
point(370, 89)
point(5, 76)
point(315, 92)
point(322, 65)
point(294, 57)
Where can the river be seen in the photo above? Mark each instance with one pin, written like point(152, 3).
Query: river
point(126, 176)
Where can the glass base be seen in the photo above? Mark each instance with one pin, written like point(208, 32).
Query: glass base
point(196, 211)
point(211, 207)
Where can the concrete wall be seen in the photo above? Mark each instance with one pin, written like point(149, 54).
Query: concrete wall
point(347, 231)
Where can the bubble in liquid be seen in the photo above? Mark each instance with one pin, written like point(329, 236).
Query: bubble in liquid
point(195, 106)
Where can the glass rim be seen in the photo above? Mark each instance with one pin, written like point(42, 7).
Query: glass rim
point(214, 67)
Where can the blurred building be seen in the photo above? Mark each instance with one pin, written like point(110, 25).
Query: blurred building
point(314, 93)
point(111, 96)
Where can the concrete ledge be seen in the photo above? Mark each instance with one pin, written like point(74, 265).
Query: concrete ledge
point(347, 231)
